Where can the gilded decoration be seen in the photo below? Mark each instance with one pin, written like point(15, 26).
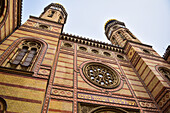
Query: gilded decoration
point(101, 75)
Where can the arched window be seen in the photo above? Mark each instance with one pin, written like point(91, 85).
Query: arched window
point(51, 14)
point(165, 72)
point(3, 105)
point(59, 20)
point(25, 55)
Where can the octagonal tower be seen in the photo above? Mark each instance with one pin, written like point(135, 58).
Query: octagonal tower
point(55, 12)
point(117, 33)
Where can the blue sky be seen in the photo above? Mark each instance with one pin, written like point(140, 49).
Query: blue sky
point(148, 20)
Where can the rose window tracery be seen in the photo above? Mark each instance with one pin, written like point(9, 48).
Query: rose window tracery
point(101, 75)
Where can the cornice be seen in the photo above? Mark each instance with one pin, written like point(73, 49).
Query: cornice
point(91, 42)
point(136, 43)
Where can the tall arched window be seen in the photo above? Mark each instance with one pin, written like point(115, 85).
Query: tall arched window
point(25, 55)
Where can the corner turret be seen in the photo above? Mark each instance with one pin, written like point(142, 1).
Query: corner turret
point(117, 33)
point(55, 12)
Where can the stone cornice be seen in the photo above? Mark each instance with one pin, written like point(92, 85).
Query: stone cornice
point(90, 42)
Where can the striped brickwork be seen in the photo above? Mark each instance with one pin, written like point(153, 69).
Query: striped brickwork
point(146, 64)
point(11, 19)
point(70, 87)
point(122, 41)
point(24, 92)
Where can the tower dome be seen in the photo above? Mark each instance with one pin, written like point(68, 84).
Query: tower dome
point(108, 22)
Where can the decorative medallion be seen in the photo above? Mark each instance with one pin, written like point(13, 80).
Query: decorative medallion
point(101, 75)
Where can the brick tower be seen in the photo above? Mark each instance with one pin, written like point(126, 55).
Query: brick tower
point(152, 69)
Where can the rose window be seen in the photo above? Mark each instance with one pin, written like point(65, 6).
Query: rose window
point(101, 75)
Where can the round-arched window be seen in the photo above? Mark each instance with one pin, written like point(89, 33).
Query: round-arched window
point(67, 45)
point(101, 75)
point(95, 51)
point(120, 57)
point(106, 54)
point(83, 48)
point(165, 72)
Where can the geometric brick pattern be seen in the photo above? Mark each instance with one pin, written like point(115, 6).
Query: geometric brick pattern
point(62, 92)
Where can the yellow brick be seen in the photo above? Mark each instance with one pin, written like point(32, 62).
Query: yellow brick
point(157, 89)
point(141, 94)
point(63, 81)
point(64, 75)
point(21, 93)
point(23, 107)
point(138, 64)
point(152, 83)
point(65, 60)
point(145, 73)
point(132, 77)
point(65, 64)
point(149, 77)
point(60, 105)
point(138, 88)
point(66, 55)
point(65, 69)
point(23, 81)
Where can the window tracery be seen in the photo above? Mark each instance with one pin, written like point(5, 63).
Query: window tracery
point(25, 55)
point(101, 75)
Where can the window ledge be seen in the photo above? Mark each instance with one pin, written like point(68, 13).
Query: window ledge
point(16, 71)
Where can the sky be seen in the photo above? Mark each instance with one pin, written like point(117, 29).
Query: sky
point(148, 20)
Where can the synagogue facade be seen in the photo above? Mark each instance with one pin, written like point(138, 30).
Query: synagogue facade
point(44, 70)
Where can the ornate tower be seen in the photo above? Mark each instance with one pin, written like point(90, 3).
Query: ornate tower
point(55, 12)
point(118, 34)
point(151, 68)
